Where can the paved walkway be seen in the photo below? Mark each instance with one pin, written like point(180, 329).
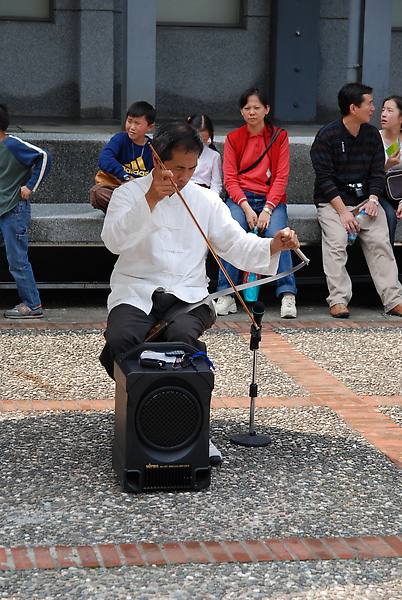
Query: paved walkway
point(358, 412)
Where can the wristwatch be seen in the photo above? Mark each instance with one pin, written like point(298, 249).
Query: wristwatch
point(375, 200)
point(268, 209)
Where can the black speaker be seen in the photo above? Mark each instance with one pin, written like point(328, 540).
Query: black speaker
point(161, 433)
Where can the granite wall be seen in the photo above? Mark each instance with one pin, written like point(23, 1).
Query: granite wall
point(71, 66)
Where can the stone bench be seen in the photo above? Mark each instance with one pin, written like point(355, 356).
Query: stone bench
point(79, 224)
point(62, 214)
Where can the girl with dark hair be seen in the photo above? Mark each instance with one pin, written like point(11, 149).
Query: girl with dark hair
point(391, 122)
point(209, 170)
point(256, 164)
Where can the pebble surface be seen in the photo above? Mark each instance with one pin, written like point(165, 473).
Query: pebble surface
point(64, 364)
point(366, 360)
point(317, 478)
point(320, 580)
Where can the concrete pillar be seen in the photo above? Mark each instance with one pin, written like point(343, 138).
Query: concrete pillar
point(377, 51)
point(139, 53)
point(96, 59)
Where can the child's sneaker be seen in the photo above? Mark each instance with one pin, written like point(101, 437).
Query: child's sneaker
point(21, 311)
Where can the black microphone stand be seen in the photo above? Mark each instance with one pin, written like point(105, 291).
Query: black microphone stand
point(252, 439)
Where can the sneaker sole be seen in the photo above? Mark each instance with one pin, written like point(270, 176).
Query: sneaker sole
point(224, 314)
point(288, 316)
point(23, 317)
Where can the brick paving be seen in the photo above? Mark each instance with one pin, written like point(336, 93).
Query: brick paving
point(359, 412)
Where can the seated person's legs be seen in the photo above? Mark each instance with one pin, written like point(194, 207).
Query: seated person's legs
point(238, 214)
point(279, 220)
point(334, 256)
point(381, 261)
point(127, 326)
point(187, 327)
point(227, 304)
point(391, 218)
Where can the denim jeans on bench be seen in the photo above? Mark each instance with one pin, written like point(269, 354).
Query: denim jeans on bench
point(278, 221)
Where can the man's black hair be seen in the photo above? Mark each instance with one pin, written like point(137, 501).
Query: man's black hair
point(4, 118)
point(352, 93)
point(142, 109)
point(177, 136)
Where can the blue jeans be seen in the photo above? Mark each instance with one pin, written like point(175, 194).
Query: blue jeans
point(390, 213)
point(14, 233)
point(278, 221)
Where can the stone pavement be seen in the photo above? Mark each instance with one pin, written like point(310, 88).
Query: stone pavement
point(322, 534)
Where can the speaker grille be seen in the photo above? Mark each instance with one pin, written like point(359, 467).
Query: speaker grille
point(168, 418)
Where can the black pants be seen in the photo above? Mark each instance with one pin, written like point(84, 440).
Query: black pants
point(128, 326)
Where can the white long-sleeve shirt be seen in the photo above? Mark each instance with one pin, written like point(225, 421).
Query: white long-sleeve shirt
point(164, 248)
point(209, 170)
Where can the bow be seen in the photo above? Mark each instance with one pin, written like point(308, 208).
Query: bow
point(305, 260)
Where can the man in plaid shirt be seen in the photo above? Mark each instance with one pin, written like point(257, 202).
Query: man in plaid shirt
point(348, 160)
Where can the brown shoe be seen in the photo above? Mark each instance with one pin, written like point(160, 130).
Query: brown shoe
point(340, 311)
point(396, 311)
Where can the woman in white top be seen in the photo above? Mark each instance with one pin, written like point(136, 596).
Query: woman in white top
point(391, 122)
point(209, 171)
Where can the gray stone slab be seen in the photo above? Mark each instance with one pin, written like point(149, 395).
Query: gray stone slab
point(68, 224)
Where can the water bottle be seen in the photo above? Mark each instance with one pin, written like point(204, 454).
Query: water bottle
point(251, 294)
point(352, 236)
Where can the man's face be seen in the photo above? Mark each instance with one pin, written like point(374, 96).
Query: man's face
point(182, 164)
point(364, 112)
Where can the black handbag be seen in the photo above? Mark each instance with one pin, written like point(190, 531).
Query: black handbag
point(393, 185)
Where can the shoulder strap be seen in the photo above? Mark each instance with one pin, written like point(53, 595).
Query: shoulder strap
point(257, 162)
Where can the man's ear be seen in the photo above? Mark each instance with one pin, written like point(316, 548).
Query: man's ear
point(150, 127)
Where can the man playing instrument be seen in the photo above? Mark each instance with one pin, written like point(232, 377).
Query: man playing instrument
point(162, 254)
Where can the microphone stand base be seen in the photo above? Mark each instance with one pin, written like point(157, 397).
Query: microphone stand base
point(251, 441)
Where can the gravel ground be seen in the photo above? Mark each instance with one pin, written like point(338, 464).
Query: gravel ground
point(63, 364)
point(366, 360)
point(317, 478)
point(394, 413)
point(328, 580)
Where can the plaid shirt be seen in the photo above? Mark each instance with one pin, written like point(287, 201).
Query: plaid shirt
point(340, 158)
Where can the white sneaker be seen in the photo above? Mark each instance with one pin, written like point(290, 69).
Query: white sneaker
point(288, 307)
point(226, 305)
point(215, 457)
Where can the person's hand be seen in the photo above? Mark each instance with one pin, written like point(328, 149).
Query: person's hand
point(284, 239)
point(263, 220)
point(348, 221)
point(251, 215)
point(25, 192)
point(371, 209)
point(161, 187)
point(399, 210)
point(393, 160)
